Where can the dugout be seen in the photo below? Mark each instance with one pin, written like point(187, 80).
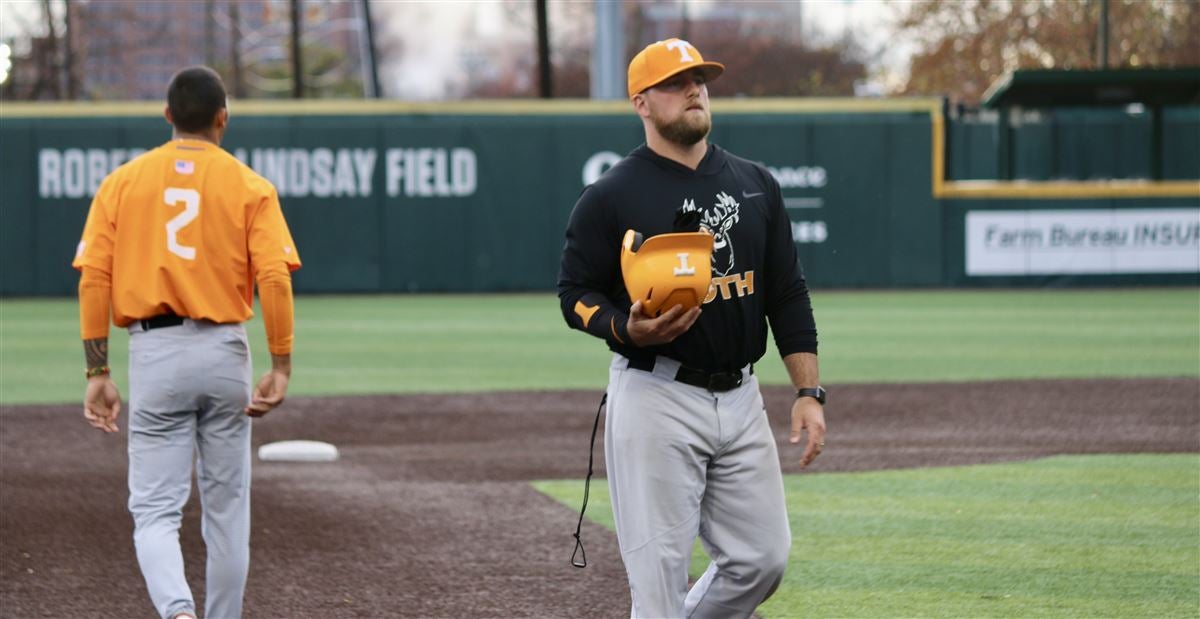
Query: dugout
point(1076, 178)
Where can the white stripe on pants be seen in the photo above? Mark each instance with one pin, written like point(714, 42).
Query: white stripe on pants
point(188, 386)
point(684, 462)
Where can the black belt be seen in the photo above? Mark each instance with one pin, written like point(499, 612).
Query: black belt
point(713, 381)
point(160, 321)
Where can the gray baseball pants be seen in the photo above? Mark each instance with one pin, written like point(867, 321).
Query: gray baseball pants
point(684, 462)
point(188, 386)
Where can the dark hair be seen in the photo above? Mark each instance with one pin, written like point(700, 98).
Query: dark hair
point(194, 97)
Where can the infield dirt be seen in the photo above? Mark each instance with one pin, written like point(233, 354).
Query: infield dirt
point(428, 512)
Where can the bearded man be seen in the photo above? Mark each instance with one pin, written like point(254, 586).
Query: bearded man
point(688, 447)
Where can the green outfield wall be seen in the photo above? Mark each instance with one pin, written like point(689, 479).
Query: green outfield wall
point(474, 196)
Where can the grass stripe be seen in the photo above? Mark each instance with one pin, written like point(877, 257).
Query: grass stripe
point(455, 343)
point(1069, 536)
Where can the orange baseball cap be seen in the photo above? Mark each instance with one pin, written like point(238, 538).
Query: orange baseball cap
point(659, 61)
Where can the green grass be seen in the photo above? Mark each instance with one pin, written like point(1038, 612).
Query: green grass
point(448, 343)
point(1064, 537)
point(1080, 536)
point(987, 335)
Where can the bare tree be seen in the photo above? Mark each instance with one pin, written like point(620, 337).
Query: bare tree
point(965, 46)
point(48, 75)
point(752, 52)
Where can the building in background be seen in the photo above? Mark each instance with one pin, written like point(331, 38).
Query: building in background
point(753, 39)
point(663, 20)
point(129, 49)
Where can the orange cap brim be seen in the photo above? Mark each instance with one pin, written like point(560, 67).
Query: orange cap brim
point(711, 71)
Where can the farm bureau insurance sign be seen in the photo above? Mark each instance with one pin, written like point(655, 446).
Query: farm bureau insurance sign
point(1093, 242)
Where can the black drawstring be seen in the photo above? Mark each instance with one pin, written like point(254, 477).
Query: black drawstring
point(579, 551)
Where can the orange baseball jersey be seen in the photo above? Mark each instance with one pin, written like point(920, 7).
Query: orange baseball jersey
point(185, 229)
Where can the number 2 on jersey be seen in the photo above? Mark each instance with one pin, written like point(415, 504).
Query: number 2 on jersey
point(191, 209)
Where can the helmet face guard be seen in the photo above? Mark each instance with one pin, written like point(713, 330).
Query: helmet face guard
point(667, 270)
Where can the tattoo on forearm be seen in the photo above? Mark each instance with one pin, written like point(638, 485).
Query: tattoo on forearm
point(96, 352)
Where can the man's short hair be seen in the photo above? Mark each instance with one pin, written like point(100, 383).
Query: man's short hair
point(194, 97)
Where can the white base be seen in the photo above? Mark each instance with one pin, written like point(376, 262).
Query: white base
point(298, 451)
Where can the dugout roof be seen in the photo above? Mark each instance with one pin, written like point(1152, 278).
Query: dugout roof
point(1062, 87)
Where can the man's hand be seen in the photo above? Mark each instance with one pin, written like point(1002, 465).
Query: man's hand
point(102, 403)
point(268, 394)
point(272, 387)
point(647, 331)
point(808, 414)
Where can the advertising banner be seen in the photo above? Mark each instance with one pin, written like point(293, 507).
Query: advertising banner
point(1103, 242)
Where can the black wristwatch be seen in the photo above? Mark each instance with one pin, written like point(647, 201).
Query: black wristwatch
point(817, 394)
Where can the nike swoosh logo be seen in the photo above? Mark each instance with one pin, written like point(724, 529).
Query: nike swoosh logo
point(750, 195)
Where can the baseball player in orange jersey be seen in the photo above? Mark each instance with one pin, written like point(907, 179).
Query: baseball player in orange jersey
point(173, 245)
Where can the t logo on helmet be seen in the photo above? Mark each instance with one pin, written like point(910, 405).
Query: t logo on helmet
point(683, 269)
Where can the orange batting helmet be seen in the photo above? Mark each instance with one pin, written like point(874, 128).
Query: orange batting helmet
point(668, 269)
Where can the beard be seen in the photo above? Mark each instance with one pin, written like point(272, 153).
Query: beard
point(685, 129)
